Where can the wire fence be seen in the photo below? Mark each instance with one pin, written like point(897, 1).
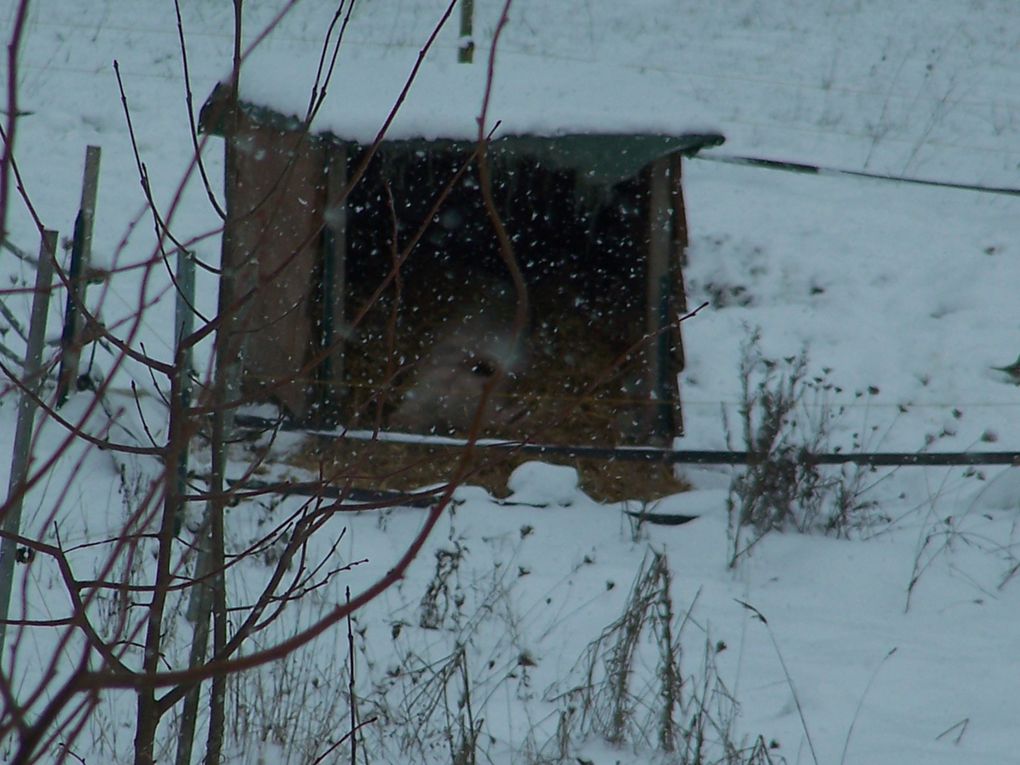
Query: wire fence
point(802, 168)
point(254, 424)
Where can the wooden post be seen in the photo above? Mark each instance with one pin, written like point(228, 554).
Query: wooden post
point(679, 285)
point(81, 254)
point(661, 388)
point(32, 382)
point(334, 283)
point(466, 51)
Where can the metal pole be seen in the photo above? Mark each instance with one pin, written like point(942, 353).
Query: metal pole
point(11, 511)
point(81, 255)
point(466, 49)
point(197, 609)
point(184, 326)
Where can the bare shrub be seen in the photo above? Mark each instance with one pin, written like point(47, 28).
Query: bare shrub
point(621, 694)
point(786, 417)
point(428, 704)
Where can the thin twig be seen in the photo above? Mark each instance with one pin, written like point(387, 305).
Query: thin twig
point(860, 704)
point(350, 684)
point(12, 321)
point(961, 726)
point(162, 232)
point(141, 415)
point(19, 253)
point(192, 123)
point(338, 744)
point(318, 96)
point(160, 225)
point(786, 672)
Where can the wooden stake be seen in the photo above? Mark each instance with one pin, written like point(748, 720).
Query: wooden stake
point(661, 389)
point(679, 285)
point(334, 286)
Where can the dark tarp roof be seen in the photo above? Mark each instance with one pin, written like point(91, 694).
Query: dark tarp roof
point(599, 159)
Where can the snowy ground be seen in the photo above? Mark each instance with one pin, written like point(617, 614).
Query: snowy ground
point(905, 294)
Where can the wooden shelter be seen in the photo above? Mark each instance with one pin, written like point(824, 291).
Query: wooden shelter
point(386, 303)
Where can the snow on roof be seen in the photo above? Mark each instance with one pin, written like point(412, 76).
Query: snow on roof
point(530, 96)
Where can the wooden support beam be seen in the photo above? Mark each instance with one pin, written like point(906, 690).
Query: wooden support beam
point(661, 388)
point(334, 282)
point(679, 285)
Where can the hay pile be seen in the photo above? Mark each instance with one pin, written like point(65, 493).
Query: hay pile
point(572, 383)
point(406, 467)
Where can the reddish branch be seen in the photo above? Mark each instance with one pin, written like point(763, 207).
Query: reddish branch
point(506, 249)
point(192, 123)
point(310, 520)
point(319, 96)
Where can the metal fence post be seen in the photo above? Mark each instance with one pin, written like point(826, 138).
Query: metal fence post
point(32, 382)
point(81, 255)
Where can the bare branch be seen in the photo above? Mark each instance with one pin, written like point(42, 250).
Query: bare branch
point(192, 123)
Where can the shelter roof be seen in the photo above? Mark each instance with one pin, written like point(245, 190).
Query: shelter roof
point(604, 119)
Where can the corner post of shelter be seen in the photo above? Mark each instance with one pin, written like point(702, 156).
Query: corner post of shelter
point(235, 264)
point(680, 242)
point(334, 283)
point(664, 416)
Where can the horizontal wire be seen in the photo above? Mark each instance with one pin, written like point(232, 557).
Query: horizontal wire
point(822, 170)
point(832, 405)
point(648, 454)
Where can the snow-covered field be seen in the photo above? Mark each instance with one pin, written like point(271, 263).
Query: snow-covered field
point(899, 645)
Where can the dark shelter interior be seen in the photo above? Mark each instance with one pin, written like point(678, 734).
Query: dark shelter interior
point(394, 307)
point(447, 319)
